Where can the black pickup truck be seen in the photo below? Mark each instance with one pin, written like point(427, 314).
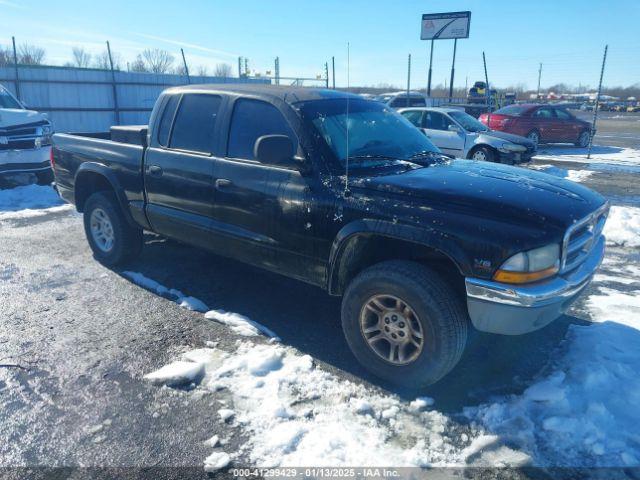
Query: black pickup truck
point(343, 193)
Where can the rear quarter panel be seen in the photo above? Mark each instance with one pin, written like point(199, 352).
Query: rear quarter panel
point(121, 161)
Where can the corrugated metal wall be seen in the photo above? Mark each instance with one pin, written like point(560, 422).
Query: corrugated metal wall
point(82, 100)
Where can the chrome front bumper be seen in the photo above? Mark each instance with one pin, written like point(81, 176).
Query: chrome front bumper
point(516, 309)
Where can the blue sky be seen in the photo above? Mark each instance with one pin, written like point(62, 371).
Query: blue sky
point(567, 36)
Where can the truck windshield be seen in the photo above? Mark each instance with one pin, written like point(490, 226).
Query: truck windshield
point(469, 123)
point(378, 136)
point(7, 100)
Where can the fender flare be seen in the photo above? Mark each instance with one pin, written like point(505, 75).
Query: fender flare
point(422, 236)
point(110, 176)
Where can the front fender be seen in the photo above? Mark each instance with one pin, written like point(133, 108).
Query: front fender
point(424, 236)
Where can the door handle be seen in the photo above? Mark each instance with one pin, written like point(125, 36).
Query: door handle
point(220, 183)
point(155, 170)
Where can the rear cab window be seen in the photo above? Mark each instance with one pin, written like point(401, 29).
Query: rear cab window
point(194, 125)
point(251, 119)
point(513, 110)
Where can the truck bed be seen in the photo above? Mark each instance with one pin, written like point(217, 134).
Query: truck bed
point(118, 154)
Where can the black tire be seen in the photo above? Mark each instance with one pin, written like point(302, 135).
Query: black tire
point(127, 240)
point(45, 178)
point(534, 136)
point(439, 310)
point(483, 154)
point(583, 139)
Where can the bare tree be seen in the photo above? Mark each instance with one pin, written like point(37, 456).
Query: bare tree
point(6, 56)
point(157, 61)
point(30, 54)
point(138, 65)
point(180, 70)
point(222, 70)
point(101, 60)
point(81, 58)
point(202, 71)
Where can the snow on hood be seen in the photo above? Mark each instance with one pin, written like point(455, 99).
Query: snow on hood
point(10, 117)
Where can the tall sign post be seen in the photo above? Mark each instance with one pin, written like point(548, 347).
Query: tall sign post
point(444, 26)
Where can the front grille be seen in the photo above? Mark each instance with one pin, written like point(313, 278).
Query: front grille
point(581, 237)
point(18, 145)
point(18, 132)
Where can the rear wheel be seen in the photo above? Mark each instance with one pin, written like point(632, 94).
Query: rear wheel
point(404, 323)
point(534, 136)
point(111, 238)
point(583, 139)
point(483, 154)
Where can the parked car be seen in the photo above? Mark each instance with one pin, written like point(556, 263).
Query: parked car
point(540, 124)
point(414, 242)
point(401, 99)
point(25, 140)
point(633, 108)
point(459, 134)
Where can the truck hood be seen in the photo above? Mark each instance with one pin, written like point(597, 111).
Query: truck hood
point(500, 192)
point(11, 117)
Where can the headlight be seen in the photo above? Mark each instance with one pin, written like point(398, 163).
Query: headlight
point(526, 267)
point(512, 147)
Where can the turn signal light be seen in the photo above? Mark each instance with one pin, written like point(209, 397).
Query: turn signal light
point(524, 277)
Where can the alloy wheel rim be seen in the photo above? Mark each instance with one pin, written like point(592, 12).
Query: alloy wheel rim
point(479, 155)
point(102, 230)
point(391, 329)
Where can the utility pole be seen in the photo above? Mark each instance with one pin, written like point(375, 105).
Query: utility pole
point(246, 67)
point(326, 75)
point(15, 66)
point(487, 90)
point(430, 70)
point(595, 108)
point(239, 67)
point(408, 79)
point(186, 68)
point(453, 69)
point(277, 70)
point(539, 76)
point(116, 108)
point(333, 71)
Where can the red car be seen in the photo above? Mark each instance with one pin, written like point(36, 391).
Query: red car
point(540, 123)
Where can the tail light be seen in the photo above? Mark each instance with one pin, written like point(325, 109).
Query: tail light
point(51, 159)
point(483, 118)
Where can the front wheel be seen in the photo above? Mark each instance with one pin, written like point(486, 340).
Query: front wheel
point(483, 154)
point(583, 140)
point(111, 238)
point(404, 323)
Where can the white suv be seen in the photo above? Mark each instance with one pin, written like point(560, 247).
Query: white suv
point(25, 140)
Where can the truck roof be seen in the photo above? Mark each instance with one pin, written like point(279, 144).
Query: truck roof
point(285, 93)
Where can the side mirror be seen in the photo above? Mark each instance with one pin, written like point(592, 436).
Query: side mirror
point(275, 150)
point(453, 128)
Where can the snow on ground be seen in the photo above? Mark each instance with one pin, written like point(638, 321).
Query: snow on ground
point(238, 323)
point(30, 201)
point(602, 158)
point(573, 175)
point(623, 226)
point(581, 413)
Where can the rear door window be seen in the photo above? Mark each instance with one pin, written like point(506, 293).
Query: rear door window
point(251, 120)
point(562, 115)
point(436, 121)
point(414, 116)
point(167, 120)
point(418, 102)
point(195, 122)
point(544, 112)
